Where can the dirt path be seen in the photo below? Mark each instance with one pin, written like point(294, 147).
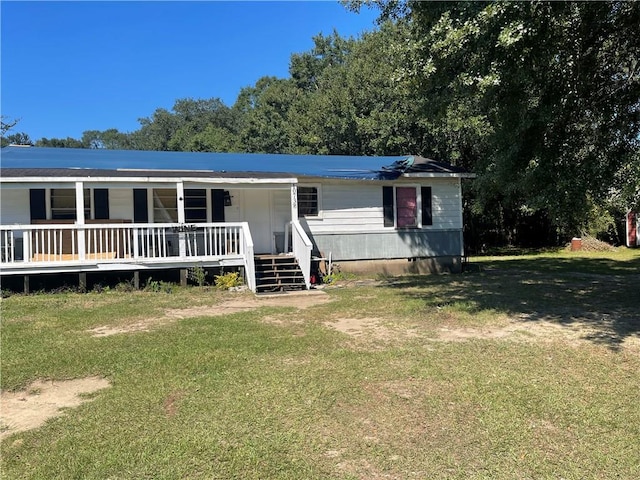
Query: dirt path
point(300, 300)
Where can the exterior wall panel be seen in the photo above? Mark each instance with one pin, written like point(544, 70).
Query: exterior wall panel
point(121, 204)
point(15, 206)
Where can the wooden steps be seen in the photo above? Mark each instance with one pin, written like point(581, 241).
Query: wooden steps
point(278, 273)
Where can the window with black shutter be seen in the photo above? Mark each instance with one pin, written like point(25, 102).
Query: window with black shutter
point(400, 207)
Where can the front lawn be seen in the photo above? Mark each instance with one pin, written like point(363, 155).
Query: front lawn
point(522, 367)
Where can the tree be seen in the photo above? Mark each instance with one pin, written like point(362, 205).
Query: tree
point(189, 118)
point(111, 139)
point(328, 51)
point(357, 104)
point(60, 143)
point(7, 124)
point(264, 113)
point(20, 138)
point(541, 99)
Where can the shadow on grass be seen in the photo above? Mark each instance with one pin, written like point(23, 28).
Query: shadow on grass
point(576, 265)
point(600, 293)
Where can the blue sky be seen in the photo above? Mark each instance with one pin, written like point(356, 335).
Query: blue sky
point(68, 67)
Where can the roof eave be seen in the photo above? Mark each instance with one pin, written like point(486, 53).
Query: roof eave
point(148, 179)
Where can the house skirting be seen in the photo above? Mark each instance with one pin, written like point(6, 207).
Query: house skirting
point(415, 266)
point(394, 244)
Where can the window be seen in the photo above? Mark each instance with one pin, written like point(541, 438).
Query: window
point(195, 205)
point(63, 203)
point(407, 207)
point(165, 205)
point(308, 203)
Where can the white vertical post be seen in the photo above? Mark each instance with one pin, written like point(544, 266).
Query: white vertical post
point(294, 201)
point(180, 194)
point(182, 240)
point(26, 245)
point(136, 245)
point(294, 214)
point(80, 220)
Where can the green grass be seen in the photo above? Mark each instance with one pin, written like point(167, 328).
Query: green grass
point(242, 396)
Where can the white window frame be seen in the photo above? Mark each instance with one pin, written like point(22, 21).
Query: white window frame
point(88, 203)
point(418, 192)
point(157, 209)
point(205, 196)
point(318, 188)
point(418, 189)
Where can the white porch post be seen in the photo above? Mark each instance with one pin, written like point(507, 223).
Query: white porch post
point(80, 220)
point(294, 215)
point(180, 193)
point(182, 239)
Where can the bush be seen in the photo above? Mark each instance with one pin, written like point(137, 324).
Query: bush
point(158, 286)
point(198, 275)
point(228, 280)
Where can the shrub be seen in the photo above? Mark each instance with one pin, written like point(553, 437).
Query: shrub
point(228, 280)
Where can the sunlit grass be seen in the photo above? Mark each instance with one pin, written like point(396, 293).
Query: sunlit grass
point(276, 393)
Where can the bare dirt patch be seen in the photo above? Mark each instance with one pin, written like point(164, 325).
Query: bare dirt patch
point(371, 328)
point(244, 304)
point(170, 404)
point(42, 400)
point(521, 329)
point(300, 300)
point(517, 329)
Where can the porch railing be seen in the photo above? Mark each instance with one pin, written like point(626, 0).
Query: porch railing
point(170, 243)
point(301, 246)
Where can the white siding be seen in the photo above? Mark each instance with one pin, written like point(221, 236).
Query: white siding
point(281, 209)
point(447, 204)
point(348, 208)
point(354, 208)
point(14, 206)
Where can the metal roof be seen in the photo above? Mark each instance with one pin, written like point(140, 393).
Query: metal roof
point(220, 164)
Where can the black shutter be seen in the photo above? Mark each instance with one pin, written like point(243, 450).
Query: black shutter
point(101, 203)
point(387, 206)
point(37, 204)
point(140, 210)
point(217, 201)
point(427, 216)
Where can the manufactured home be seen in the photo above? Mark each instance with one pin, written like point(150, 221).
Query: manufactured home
point(272, 216)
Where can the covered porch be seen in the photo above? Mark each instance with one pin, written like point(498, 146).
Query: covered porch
point(129, 222)
point(69, 248)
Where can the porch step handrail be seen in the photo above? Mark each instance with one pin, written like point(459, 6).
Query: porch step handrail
point(302, 246)
point(249, 261)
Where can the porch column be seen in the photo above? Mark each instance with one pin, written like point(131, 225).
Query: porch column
point(294, 215)
point(182, 240)
point(294, 201)
point(180, 193)
point(80, 220)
